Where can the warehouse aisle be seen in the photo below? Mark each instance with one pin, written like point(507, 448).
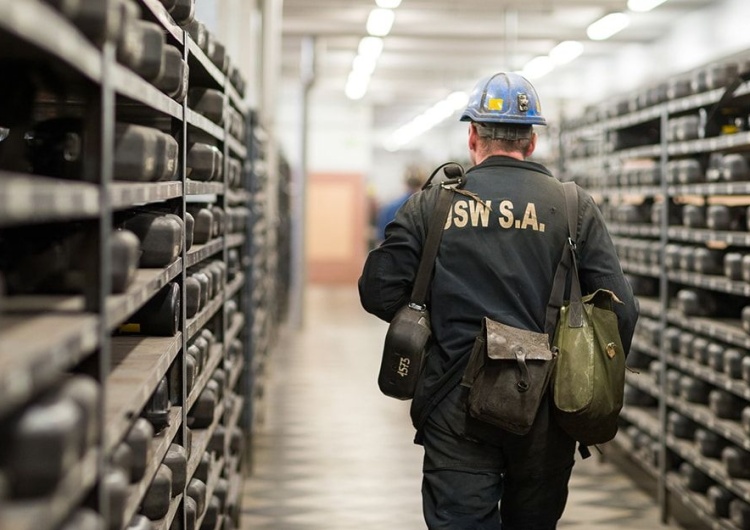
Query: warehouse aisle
point(335, 454)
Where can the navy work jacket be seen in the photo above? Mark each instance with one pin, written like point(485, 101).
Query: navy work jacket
point(496, 260)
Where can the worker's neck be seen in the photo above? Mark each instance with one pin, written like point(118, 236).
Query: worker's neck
point(481, 157)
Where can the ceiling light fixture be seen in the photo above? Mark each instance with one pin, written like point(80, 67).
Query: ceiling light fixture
point(643, 6)
point(370, 47)
point(364, 64)
point(565, 52)
point(607, 26)
point(439, 112)
point(379, 24)
point(538, 67)
point(380, 21)
point(458, 100)
point(356, 85)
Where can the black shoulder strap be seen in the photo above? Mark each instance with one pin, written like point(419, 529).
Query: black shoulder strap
point(430, 249)
point(567, 262)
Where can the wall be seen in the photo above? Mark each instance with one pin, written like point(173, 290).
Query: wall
point(335, 221)
point(340, 136)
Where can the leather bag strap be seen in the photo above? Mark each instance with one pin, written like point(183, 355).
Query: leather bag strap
point(575, 314)
point(567, 261)
point(432, 243)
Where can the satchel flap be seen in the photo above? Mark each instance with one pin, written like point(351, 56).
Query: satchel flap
point(409, 330)
point(603, 298)
point(503, 341)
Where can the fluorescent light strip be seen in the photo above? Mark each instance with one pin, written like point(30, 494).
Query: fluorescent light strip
point(356, 85)
point(370, 47)
point(565, 52)
point(643, 6)
point(538, 67)
point(436, 114)
point(380, 21)
point(364, 65)
point(608, 26)
point(561, 54)
point(379, 24)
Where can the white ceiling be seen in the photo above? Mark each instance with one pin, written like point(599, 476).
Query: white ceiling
point(439, 46)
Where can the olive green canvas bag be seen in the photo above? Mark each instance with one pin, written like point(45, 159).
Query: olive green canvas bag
point(589, 378)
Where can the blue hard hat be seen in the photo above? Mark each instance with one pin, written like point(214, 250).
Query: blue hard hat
point(504, 97)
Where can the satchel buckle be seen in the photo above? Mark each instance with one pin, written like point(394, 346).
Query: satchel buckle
point(417, 307)
point(523, 382)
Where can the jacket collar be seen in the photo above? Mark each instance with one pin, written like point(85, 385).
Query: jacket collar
point(506, 161)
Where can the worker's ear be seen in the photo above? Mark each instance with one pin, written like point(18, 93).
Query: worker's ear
point(532, 145)
point(473, 136)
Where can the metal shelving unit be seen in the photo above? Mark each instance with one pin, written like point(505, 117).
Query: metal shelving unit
point(46, 338)
point(618, 159)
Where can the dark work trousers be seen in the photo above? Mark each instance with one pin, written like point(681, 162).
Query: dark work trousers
point(471, 466)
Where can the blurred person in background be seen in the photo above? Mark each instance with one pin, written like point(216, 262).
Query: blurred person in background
point(413, 181)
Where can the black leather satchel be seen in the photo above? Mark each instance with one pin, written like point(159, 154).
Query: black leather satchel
point(405, 344)
point(409, 332)
point(508, 374)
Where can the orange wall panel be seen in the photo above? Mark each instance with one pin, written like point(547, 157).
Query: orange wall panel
point(335, 227)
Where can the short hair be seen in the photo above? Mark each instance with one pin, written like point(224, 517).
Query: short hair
point(505, 137)
point(504, 131)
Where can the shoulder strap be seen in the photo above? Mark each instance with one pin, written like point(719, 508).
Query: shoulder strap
point(432, 243)
point(575, 315)
point(567, 262)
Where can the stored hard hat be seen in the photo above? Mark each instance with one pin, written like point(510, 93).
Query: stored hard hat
point(504, 98)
